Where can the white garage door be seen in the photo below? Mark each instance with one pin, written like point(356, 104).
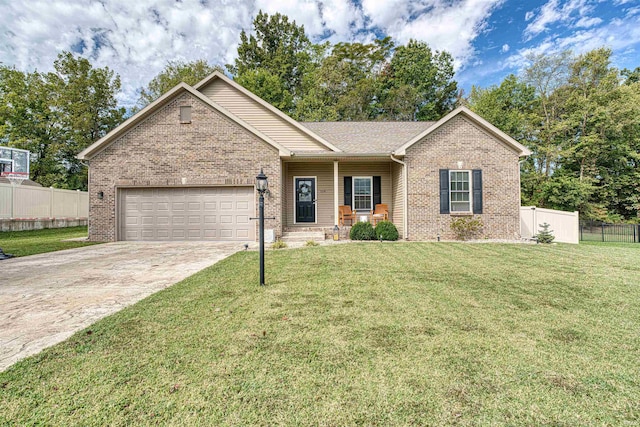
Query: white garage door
point(208, 213)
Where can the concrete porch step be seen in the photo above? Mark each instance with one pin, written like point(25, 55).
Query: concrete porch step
point(302, 236)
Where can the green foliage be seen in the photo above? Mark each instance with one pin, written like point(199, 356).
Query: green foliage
point(386, 230)
point(362, 231)
point(346, 81)
point(578, 115)
point(311, 243)
point(273, 59)
point(279, 244)
point(267, 86)
point(56, 115)
point(418, 83)
point(466, 228)
point(565, 192)
point(544, 234)
point(172, 74)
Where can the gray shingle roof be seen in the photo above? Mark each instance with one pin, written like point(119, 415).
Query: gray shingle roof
point(367, 137)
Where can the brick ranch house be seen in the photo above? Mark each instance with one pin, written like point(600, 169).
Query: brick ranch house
point(184, 168)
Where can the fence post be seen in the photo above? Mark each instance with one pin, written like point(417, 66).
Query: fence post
point(581, 225)
point(638, 234)
point(13, 200)
point(77, 204)
point(602, 225)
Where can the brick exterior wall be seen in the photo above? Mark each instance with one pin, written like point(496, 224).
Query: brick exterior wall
point(461, 140)
point(160, 152)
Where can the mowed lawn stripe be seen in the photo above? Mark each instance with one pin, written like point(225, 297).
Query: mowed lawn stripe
point(359, 334)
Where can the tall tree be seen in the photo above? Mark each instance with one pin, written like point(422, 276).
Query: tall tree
point(418, 83)
point(84, 100)
point(273, 59)
point(27, 121)
point(346, 84)
point(58, 114)
point(172, 74)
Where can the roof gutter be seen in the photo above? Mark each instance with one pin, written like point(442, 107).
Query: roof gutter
point(405, 204)
point(331, 155)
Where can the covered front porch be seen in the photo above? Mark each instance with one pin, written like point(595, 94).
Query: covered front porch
point(314, 190)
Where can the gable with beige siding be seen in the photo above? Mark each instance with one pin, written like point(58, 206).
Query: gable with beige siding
point(260, 117)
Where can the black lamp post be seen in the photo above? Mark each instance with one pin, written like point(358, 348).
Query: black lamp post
point(262, 185)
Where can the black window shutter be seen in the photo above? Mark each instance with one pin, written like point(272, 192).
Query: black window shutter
point(347, 191)
point(444, 191)
point(377, 191)
point(477, 191)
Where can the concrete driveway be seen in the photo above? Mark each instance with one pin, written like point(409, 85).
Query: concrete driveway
point(45, 298)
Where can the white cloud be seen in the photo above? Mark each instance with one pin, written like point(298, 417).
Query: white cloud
point(505, 48)
point(588, 22)
point(444, 25)
point(549, 13)
point(137, 38)
point(619, 34)
point(552, 12)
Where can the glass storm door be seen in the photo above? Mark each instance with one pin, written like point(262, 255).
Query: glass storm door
point(305, 200)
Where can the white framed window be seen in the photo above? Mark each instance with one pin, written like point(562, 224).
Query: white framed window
point(460, 190)
point(362, 192)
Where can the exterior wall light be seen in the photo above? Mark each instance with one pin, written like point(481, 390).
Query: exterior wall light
point(100, 195)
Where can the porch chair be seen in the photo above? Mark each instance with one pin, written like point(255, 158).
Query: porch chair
point(345, 214)
point(381, 213)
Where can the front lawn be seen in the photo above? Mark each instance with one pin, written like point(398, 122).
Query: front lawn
point(359, 334)
point(23, 243)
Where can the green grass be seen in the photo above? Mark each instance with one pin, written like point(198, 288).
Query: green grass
point(359, 334)
point(23, 243)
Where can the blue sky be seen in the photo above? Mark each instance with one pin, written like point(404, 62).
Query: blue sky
point(488, 38)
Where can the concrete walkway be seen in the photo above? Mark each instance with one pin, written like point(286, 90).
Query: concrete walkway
point(45, 298)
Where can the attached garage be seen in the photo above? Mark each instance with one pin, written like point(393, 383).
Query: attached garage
point(202, 213)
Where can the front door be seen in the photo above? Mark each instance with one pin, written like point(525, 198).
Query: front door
point(305, 200)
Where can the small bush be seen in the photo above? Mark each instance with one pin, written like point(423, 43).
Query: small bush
point(545, 235)
point(279, 244)
point(466, 228)
point(311, 243)
point(385, 230)
point(362, 231)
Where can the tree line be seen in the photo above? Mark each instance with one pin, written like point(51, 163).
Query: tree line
point(577, 113)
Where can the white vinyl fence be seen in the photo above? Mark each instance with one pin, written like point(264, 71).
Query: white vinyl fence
point(565, 225)
point(23, 201)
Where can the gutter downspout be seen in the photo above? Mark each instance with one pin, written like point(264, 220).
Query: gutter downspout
point(405, 204)
point(520, 194)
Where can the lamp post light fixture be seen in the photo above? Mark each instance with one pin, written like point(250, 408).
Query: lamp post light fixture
point(262, 185)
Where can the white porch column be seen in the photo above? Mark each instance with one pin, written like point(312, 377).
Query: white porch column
point(336, 196)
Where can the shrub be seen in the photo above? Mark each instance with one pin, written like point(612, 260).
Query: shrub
point(311, 243)
point(466, 228)
point(362, 231)
point(279, 244)
point(385, 230)
point(545, 235)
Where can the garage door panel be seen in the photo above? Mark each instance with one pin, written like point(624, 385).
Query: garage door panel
point(187, 213)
